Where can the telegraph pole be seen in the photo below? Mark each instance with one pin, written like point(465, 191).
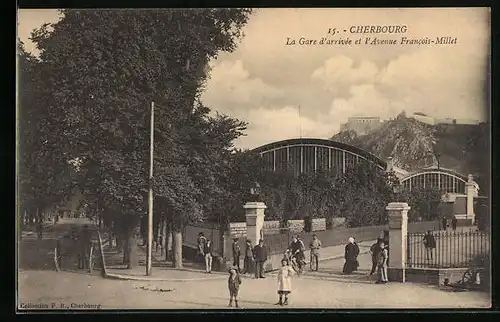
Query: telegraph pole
point(150, 210)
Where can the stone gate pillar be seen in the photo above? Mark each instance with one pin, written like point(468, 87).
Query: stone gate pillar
point(254, 212)
point(398, 229)
point(471, 190)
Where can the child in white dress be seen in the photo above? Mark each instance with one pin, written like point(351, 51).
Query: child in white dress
point(284, 282)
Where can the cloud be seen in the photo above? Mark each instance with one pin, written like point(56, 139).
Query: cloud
point(434, 82)
point(264, 77)
point(231, 88)
point(274, 124)
point(339, 71)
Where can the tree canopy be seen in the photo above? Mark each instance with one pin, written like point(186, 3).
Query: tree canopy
point(101, 71)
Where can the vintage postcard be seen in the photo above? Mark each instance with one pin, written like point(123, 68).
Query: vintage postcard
point(240, 159)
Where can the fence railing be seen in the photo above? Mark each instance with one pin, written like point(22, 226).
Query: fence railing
point(452, 249)
point(191, 233)
point(278, 243)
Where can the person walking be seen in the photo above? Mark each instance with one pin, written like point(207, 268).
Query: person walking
point(284, 282)
point(351, 257)
point(454, 222)
point(444, 223)
point(383, 256)
point(84, 247)
point(297, 248)
point(236, 253)
point(430, 244)
point(233, 283)
point(315, 246)
point(260, 256)
point(207, 250)
point(247, 261)
point(374, 251)
point(201, 241)
point(39, 228)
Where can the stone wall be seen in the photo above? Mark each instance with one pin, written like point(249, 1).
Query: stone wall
point(237, 229)
point(318, 224)
point(434, 276)
point(296, 226)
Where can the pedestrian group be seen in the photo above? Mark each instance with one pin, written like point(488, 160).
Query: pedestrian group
point(292, 263)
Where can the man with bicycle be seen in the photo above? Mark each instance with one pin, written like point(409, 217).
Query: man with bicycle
point(297, 249)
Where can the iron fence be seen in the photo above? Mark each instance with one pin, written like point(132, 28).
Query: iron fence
point(451, 249)
point(191, 233)
point(278, 241)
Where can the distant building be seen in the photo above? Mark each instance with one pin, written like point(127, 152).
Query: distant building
point(424, 118)
point(362, 125)
point(421, 117)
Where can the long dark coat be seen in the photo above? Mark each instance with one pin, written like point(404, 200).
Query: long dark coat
point(351, 258)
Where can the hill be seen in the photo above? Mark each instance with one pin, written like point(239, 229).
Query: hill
point(414, 145)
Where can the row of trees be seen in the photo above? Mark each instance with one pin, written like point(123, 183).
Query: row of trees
point(84, 126)
point(359, 195)
point(84, 115)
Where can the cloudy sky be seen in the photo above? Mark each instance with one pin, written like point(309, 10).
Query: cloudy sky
point(291, 91)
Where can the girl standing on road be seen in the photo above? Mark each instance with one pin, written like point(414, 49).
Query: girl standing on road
point(284, 282)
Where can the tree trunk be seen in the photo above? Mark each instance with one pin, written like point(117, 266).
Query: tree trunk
point(169, 242)
point(132, 251)
point(119, 243)
point(126, 253)
point(156, 234)
point(177, 241)
point(162, 237)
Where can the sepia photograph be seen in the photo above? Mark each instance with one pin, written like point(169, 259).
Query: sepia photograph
point(264, 158)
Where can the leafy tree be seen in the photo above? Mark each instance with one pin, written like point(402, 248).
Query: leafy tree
point(363, 192)
point(44, 173)
point(101, 69)
point(424, 203)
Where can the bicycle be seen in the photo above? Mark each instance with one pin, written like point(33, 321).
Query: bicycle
point(297, 265)
point(472, 276)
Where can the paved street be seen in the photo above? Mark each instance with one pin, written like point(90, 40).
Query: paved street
point(40, 285)
point(325, 289)
point(46, 287)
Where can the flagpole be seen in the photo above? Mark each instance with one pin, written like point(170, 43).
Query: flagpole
point(150, 210)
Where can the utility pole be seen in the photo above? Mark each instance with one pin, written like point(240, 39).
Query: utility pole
point(150, 210)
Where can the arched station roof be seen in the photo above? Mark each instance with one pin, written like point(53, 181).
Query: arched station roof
point(321, 143)
point(440, 170)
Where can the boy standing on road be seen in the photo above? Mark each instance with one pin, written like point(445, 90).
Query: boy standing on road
point(233, 284)
point(315, 247)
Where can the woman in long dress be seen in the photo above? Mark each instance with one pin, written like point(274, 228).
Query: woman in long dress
point(284, 282)
point(351, 257)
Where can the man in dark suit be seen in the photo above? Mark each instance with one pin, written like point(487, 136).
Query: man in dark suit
point(236, 254)
point(260, 256)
